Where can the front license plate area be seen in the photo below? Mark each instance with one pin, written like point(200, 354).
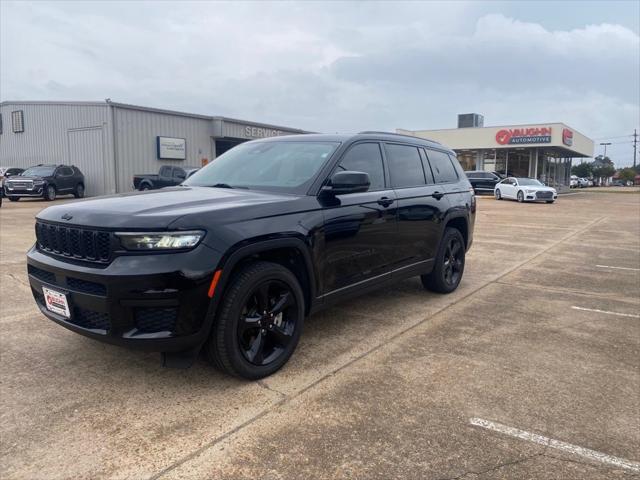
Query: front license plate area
point(56, 302)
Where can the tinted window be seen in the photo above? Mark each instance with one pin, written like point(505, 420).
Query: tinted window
point(405, 166)
point(365, 157)
point(443, 169)
point(179, 173)
point(66, 171)
point(165, 171)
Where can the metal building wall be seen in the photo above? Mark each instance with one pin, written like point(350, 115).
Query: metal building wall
point(49, 137)
point(135, 138)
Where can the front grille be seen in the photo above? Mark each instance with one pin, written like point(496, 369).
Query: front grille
point(21, 185)
point(90, 319)
point(42, 275)
point(86, 286)
point(544, 194)
point(151, 320)
point(79, 243)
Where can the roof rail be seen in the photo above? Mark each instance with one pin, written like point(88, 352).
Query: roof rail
point(367, 132)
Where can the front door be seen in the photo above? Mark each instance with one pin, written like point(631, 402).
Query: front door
point(360, 229)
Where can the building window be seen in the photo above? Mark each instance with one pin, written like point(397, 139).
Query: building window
point(17, 121)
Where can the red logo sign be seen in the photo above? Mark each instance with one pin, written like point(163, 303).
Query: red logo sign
point(524, 135)
point(567, 137)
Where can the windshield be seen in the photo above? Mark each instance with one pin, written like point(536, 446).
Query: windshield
point(529, 181)
point(288, 167)
point(38, 172)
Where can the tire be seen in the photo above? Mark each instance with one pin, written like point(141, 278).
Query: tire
point(144, 188)
point(50, 193)
point(550, 201)
point(498, 194)
point(447, 272)
point(250, 345)
point(79, 191)
point(14, 199)
point(520, 196)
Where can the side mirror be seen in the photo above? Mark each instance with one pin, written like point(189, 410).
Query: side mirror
point(348, 182)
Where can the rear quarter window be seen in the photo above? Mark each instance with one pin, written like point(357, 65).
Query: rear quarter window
point(442, 167)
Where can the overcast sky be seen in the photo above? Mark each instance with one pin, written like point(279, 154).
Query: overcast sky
point(338, 67)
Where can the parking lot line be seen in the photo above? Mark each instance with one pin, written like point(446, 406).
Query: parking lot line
point(619, 268)
point(557, 444)
point(632, 315)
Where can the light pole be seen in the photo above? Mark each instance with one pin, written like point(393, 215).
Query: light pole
point(605, 149)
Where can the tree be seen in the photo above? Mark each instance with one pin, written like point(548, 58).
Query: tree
point(582, 170)
point(627, 174)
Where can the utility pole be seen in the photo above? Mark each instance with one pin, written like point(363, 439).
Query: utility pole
point(635, 149)
point(605, 149)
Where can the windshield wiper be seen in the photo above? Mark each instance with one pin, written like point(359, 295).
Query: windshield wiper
point(220, 185)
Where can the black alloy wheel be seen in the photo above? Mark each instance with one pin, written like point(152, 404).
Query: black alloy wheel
point(449, 267)
point(259, 321)
point(520, 196)
point(267, 322)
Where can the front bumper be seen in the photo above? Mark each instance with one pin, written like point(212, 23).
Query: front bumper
point(14, 192)
point(154, 302)
point(540, 196)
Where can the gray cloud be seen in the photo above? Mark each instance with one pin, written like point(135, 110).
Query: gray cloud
point(326, 66)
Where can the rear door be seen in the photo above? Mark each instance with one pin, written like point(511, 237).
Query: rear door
point(360, 229)
point(179, 176)
point(165, 176)
point(64, 179)
point(421, 204)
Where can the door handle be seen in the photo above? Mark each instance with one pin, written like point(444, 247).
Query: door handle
point(437, 195)
point(385, 201)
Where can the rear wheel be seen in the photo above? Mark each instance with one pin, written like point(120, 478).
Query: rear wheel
point(520, 196)
point(79, 191)
point(498, 194)
point(50, 193)
point(259, 322)
point(145, 187)
point(449, 267)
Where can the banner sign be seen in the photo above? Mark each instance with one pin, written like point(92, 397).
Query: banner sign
point(171, 148)
point(517, 136)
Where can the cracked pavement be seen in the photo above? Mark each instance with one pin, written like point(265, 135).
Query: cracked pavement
point(382, 386)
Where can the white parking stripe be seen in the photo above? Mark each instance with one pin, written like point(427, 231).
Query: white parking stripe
point(619, 268)
point(632, 315)
point(557, 444)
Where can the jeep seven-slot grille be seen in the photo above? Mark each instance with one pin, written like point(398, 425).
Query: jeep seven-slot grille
point(72, 242)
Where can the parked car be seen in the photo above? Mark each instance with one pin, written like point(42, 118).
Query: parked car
point(46, 181)
point(525, 190)
point(583, 182)
point(483, 182)
point(6, 172)
point(573, 182)
point(618, 183)
point(168, 176)
point(234, 259)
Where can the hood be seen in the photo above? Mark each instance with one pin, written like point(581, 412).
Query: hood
point(157, 209)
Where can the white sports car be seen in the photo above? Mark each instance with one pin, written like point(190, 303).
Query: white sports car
point(524, 190)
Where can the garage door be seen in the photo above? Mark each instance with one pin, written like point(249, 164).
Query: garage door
point(87, 153)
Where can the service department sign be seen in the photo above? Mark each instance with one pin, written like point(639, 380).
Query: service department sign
point(518, 136)
point(170, 148)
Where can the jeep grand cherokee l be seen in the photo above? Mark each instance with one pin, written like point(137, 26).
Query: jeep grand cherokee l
point(232, 261)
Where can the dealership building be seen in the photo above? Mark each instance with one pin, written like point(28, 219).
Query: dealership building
point(543, 151)
point(111, 142)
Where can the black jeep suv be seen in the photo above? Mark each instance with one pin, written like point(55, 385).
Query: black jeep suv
point(45, 181)
point(231, 261)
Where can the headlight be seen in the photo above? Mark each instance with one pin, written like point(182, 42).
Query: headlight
point(38, 182)
point(160, 240)
point(531, 191)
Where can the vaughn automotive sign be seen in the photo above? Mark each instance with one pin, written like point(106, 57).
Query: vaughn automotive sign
point(171, 148)
point(523, 135)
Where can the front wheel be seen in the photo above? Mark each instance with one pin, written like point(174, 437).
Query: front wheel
point(50, 193)
point(550, 201)
point(449, 267)
point(259, 322)
point(14, 199)
point(520, 196)
point(498, 194)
